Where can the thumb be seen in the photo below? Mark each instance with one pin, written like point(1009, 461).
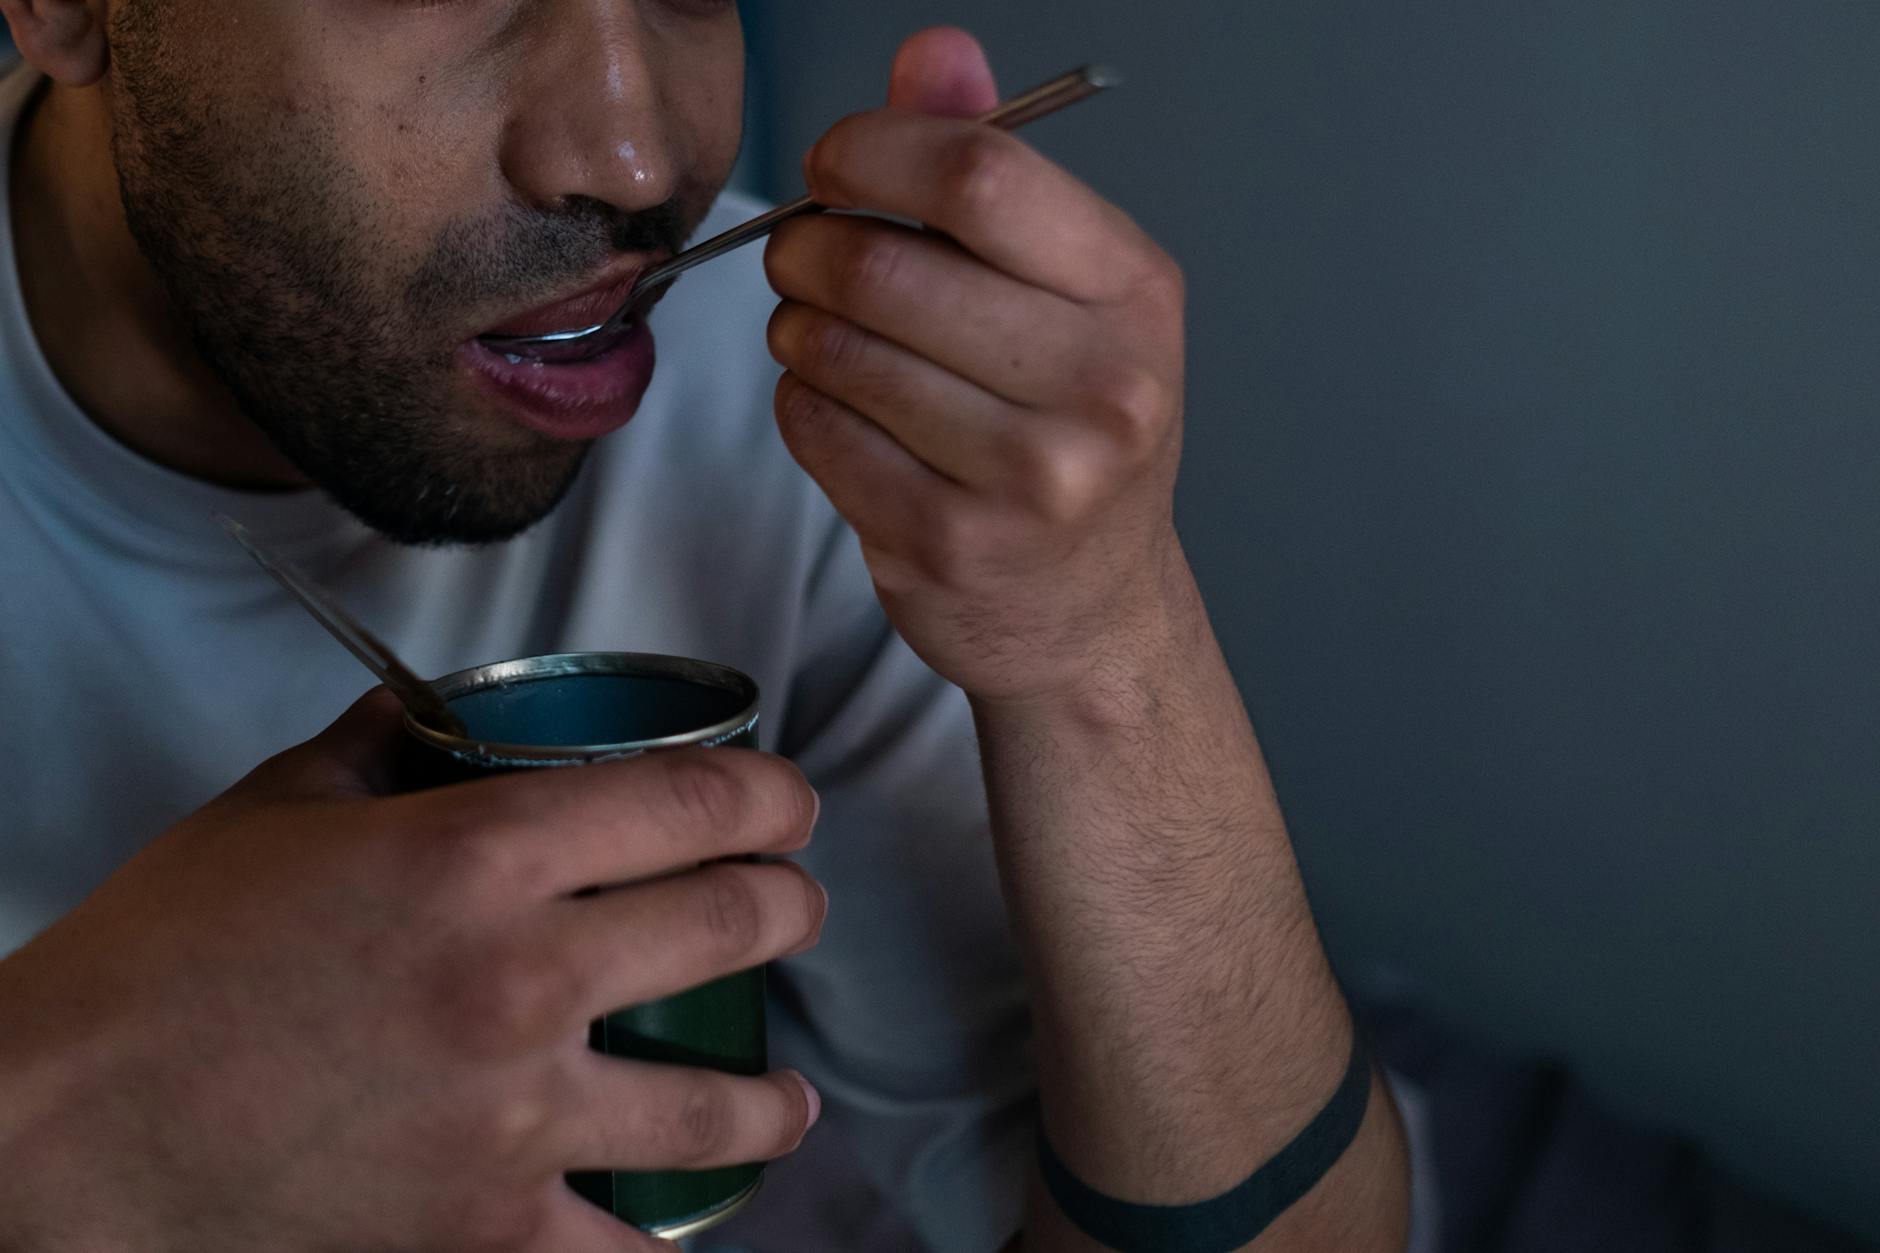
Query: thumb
point(358, 755)
point(943, 71)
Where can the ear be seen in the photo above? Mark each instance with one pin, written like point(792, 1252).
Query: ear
point(63, 39)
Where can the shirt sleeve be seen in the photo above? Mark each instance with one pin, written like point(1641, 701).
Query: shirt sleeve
point(1513, 1154)
point(910, 1016)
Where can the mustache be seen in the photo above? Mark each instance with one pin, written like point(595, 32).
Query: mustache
point(517, 254)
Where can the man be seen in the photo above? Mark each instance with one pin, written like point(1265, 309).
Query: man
point(257, 248)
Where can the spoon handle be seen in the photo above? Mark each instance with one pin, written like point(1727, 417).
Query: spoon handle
point(1039, 102)
point(730, 241)
point(419, 697)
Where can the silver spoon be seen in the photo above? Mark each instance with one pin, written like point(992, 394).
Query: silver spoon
point(420, 699)
point(1039, 102)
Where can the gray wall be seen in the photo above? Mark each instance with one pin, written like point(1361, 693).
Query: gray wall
point(1534, 444)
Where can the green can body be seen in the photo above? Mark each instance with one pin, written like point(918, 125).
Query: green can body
point(581, 708)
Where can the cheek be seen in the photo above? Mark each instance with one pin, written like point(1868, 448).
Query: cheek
point(420, 168)
point(408, 135)
point(724, 110)
point(705, 96)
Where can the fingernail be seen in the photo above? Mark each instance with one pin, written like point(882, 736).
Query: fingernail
point(815, 936)
point(815, 812)
point(814, 1098)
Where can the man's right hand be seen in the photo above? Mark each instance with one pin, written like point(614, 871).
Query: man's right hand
point(319, 1016)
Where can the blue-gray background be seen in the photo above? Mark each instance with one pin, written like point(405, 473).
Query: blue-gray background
point(1534, 440)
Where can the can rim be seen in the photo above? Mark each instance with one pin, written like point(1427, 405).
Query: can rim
point(563, 665)
point(721, 1213)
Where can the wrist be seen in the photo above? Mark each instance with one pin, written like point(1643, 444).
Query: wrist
point(1149, 641)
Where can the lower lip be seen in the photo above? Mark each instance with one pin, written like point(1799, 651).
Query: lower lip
point(579, 401)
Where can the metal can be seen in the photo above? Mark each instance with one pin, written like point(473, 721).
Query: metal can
point(575, 709)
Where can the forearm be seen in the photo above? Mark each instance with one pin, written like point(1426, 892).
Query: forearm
point(998, 415)
point(1188, 1023)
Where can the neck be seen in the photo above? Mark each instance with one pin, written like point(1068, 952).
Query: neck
point(99, 313)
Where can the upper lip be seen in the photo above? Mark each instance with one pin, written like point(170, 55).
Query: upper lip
point(590, 306)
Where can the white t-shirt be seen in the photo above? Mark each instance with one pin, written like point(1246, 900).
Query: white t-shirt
point(146, 664)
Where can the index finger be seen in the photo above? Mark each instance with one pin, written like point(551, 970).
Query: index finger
point(1004, 201)
point(574, 827)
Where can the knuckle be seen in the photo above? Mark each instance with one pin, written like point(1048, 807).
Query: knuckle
point(707, 792)
point(976, 172)
point(897, 571)
point(948, 553)
point(789, 253)
point(781, 333)
point(850, 361)
point(1164, 280)
point(825, 166)
point(524, 995)
point(730, 912)
point(869, 266)
point(1027, 458)
point(512, 1132)
point(481, 857)
point(1132, 404)
point(800, 407)
point(702, 1130)
point(788, 798)
point(835, 349)
point(776, 258)
point(807, 421)
point(1068, 487)
point(509, 1001)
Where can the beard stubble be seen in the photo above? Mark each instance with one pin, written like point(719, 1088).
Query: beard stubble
point(264, 241)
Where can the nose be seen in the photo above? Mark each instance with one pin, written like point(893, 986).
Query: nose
point(588, 117)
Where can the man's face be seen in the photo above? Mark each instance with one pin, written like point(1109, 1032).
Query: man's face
point(340, 196)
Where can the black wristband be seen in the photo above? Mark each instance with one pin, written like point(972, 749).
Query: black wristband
point(1240, 1214)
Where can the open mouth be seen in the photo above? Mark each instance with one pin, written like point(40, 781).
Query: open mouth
point(580, 392)
point(577, 388)
point(581, 347)
point(567, 325)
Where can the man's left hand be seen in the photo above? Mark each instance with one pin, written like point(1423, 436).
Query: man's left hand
point(993, 403)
